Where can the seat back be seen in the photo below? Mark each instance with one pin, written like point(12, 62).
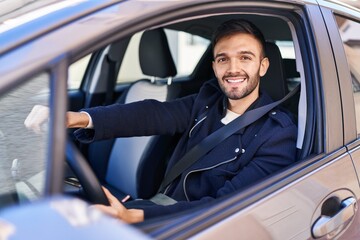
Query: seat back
point(276, 85)
point(274, 81)
point(124, 170)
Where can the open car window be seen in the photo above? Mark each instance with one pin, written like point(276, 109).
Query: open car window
point(189, 53)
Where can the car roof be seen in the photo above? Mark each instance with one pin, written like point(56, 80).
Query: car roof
point(22, 23)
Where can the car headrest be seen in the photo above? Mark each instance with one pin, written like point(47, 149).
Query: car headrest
point(155, 56)
point(274, 81)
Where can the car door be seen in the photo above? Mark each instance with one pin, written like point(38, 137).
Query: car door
point(316, 198)
point(344, 25)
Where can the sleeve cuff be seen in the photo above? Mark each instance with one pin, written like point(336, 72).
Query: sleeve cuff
point(84, 135)
point(90, 124)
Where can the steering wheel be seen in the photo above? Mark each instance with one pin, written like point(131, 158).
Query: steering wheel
point(85, 175)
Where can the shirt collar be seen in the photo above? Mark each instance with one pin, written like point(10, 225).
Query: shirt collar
point(262, 100)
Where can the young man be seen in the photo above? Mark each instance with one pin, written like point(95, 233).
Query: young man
point(269, 143)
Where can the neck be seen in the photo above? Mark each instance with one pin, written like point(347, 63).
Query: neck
point(239, 106)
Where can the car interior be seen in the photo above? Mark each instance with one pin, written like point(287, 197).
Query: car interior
point(135, 166)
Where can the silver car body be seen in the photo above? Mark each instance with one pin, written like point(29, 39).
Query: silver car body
point(288, 205)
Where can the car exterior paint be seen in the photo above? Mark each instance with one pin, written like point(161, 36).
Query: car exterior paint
point(283, 207)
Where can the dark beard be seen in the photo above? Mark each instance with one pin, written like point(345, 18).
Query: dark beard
point(233, 94)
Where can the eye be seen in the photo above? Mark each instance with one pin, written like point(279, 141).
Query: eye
point(245, 57)
point(221, 59)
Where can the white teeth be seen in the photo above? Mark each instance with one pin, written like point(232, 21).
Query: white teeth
point(236, 80)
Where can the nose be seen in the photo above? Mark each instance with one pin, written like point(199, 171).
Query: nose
point(234, 66)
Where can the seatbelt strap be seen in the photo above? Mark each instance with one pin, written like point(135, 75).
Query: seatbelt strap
point(218, 136)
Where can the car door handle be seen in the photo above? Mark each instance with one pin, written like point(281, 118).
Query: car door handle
point(327, 224)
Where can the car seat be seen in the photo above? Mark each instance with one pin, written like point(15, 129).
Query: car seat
point(120, 163)
point(274, 82)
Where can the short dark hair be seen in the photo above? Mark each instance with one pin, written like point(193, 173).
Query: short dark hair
point(235, 26)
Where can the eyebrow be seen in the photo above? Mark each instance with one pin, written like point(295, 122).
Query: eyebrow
point(241, 53)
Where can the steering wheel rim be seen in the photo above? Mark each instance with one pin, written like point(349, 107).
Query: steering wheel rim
point(85, 175)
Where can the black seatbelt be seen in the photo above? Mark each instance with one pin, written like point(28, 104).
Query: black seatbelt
point(218, 136)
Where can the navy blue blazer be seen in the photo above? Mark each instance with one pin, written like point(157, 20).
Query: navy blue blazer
point(269, 143)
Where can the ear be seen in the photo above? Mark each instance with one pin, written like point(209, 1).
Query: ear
point(264, 65)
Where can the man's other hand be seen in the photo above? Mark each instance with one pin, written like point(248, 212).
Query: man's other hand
point(37, 117)
point(117, 210)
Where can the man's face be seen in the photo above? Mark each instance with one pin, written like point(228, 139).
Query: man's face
point(238, 65)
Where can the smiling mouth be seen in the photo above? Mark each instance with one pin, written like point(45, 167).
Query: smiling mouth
point(235, 80)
